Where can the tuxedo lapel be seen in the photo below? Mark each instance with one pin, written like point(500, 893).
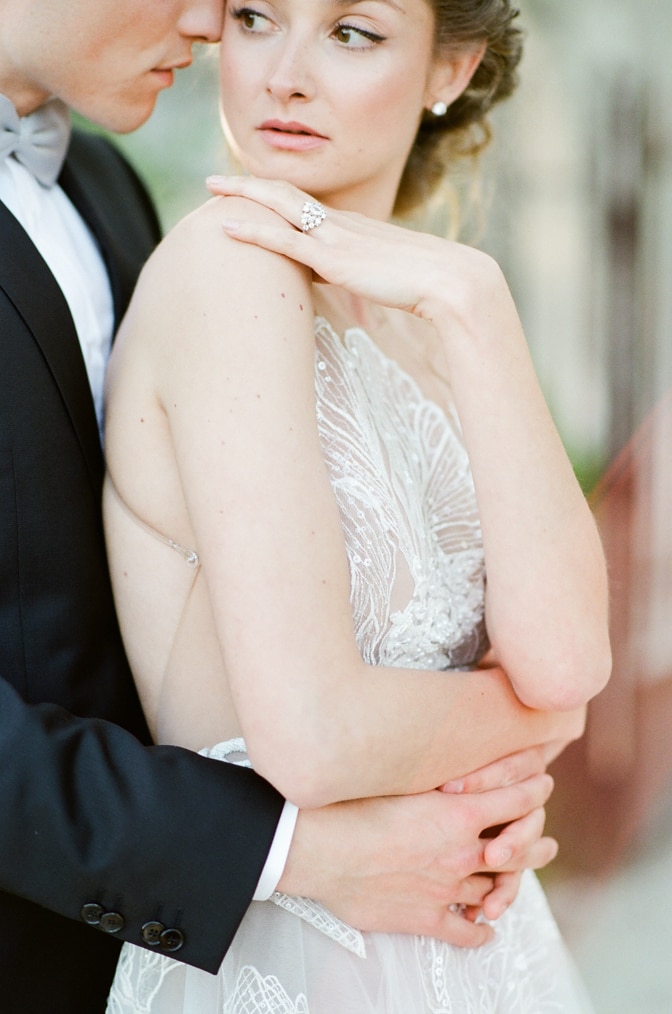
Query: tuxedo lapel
point(115, 206)
point(37, 297)
point(74, 186)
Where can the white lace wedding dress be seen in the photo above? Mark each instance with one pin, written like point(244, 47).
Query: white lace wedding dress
point(401, 476)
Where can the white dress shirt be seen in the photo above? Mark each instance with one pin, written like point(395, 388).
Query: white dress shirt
point(66, 244)
point(69, 249)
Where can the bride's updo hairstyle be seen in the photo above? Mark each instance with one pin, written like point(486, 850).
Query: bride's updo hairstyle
point(464, 131)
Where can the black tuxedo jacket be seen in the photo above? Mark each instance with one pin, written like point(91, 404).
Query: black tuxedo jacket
point(95, 827)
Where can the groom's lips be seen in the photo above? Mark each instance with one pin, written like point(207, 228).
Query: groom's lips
point(164, 76)
point(290, 135)
point(166, 73)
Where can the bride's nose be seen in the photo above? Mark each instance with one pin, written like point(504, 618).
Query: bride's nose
point(292, 76)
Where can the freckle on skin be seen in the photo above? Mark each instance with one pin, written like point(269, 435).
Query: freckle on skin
point(300, 306)
point(283, 295)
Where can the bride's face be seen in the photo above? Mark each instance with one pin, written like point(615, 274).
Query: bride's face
point(328, 94)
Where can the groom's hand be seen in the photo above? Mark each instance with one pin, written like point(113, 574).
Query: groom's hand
point(423, 864)
point(505, 844)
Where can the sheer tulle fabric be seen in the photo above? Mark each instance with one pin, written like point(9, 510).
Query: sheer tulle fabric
point(280, 963)
point(401, 476)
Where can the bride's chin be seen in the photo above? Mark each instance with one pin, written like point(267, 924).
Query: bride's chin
point(269, 168)
point(302, 181)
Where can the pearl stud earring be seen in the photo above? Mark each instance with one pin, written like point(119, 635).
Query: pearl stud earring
point(439, 108)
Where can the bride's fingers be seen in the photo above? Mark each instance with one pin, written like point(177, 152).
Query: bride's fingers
point(289, 202)
point(290, 243)
point(516, 767)
point(339, 258)
point(334, 252)
point(520, 845)
point(382, 262)
point(278, 195)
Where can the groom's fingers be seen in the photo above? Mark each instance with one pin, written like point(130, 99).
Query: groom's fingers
point(473, 891)
point(503, 805)
point(504, 891)
point(520, 844)
point(460, 930)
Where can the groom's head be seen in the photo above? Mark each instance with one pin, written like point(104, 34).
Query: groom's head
point(107, 59)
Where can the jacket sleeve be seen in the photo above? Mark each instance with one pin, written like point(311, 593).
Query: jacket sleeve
point(100, 828)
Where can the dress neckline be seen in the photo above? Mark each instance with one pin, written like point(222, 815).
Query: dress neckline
point(448, 412)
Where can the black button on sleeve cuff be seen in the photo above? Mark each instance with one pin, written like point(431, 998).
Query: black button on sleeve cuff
point(151, 933)
point(91, 913)
point(111, 922)
point(171, 940)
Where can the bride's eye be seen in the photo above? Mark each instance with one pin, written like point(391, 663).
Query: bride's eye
point(356, 38)
point(250, 20)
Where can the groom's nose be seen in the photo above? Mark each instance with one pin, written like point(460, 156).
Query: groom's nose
point(202, 20)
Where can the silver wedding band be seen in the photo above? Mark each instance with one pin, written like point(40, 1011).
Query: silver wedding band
point(312, 215)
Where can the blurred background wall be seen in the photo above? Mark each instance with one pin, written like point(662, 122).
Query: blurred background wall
point(578, 194)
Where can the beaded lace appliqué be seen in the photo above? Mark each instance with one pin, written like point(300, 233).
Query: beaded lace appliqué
point(401, 476)
point(264, 994)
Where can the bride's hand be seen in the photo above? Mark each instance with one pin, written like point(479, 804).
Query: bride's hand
point(384, 263)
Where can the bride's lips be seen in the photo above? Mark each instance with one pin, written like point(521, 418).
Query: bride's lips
point(290, 135)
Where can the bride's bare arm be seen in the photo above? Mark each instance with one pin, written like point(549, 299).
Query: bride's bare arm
point(547, 595)
point(233, 370)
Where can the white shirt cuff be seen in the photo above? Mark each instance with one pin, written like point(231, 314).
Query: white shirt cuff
point(278, 852)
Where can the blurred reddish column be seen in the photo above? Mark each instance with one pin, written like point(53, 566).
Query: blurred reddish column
point(608, 783)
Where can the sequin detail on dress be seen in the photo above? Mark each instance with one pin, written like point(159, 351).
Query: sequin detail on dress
point(401, 476)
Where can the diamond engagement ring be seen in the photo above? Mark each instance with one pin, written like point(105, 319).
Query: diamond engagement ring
point(312, 215)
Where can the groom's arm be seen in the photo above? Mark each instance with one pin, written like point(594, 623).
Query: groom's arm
point(161, 835)
point(97, 827)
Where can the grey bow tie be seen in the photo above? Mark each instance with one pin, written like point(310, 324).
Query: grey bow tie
point(38, 141)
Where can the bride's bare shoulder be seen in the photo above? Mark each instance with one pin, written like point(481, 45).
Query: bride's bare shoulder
point(198, 244)
point(200, 274)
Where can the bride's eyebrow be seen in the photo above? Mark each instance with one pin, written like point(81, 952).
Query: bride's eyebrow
point(352, 3)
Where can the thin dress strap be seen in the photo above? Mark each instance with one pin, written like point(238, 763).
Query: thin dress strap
point(189, 555)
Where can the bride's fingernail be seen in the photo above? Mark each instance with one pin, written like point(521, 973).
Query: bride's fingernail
point(214, 181)
point(231, 224)
point(456, 786)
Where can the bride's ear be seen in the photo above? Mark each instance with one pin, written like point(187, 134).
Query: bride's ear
point(449, 77)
